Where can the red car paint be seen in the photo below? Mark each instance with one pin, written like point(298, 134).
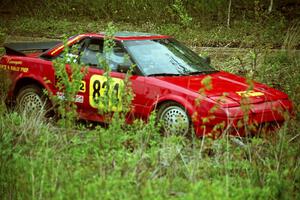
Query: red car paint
point(220, 104)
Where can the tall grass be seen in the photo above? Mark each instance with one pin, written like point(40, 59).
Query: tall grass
point(40, 161)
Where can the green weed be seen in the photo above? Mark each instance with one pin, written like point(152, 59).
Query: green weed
point(45, 162)
point(69, 74)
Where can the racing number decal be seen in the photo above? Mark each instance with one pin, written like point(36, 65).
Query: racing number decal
point(82, 86)
point(104, 95)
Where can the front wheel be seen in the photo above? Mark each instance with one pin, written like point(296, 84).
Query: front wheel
point(31, 99)
point(174, 119)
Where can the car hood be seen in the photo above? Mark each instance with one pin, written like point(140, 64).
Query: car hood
point(228, 87)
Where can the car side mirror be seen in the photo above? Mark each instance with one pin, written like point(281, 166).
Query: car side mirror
point(207, 60)
point(123, 67)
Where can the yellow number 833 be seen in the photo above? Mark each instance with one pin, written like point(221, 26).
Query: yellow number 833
point(104, 94)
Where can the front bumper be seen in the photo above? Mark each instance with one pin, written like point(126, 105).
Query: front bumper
point(248, 119)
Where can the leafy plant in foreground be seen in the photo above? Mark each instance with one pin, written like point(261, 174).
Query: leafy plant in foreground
point(69, 74)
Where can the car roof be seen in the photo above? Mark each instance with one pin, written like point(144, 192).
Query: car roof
point(127, 35)
point(121, 36)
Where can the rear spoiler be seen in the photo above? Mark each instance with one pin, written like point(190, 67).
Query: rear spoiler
point(19, 48)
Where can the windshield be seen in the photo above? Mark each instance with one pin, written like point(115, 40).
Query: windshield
point(166, 57)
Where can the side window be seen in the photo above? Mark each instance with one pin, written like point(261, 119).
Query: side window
point(73, 52)
point(118, 56)
point(92, 52)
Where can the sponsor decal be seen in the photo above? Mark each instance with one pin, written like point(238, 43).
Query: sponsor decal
point(15, 62)
point(250, 93)
point(14, 68)
point(78, 98)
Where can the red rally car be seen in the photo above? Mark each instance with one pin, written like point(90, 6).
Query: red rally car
point(168, 78)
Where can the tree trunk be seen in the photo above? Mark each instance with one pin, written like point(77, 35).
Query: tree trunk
point(228, 15)
point(270, 6)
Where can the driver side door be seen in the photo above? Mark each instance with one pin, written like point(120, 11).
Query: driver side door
point(105, 93)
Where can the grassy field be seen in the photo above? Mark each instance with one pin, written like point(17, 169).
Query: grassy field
point(42, 160)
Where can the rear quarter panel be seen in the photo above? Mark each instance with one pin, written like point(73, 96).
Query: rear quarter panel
point(19, 67)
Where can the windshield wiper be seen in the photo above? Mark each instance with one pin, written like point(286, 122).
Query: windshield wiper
point(164, 74)
point(201, 72)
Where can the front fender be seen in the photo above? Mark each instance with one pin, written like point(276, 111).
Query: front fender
point(185, 102)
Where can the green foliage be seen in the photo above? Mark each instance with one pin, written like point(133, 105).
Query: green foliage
point(4, 86)
point(109, 44)
point(282, 71)
point(69, 74)
point(112, 99)
point(2, 38)
point(251, 24)
point(292, 38)
point(39, 161)
point(180, 10)
point(144, 10)
point(2, 35)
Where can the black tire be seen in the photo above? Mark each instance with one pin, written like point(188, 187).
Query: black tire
point(31, 99)
point(174, 119)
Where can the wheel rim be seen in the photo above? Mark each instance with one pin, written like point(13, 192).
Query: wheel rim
point(31, 102)
point(175, 120)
